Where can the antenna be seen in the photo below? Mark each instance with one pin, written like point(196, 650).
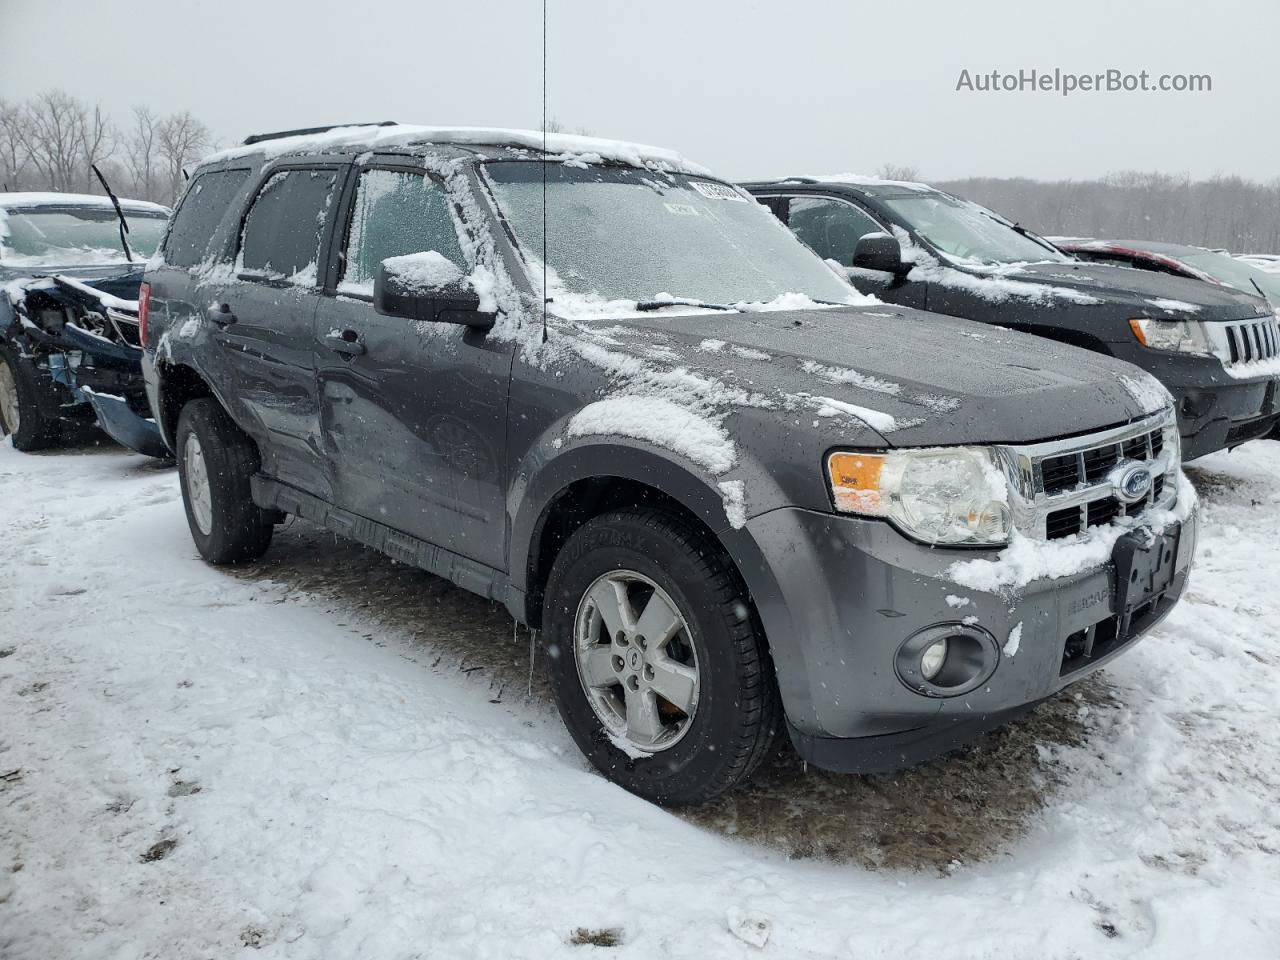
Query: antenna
point(545, 258)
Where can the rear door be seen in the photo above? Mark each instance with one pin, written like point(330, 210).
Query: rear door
point(413, 414)
point(265, 315)
point(832, 226)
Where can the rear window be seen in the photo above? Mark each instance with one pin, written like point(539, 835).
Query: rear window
point(199, 214)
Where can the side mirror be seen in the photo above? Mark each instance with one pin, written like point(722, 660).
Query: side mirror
point(428, 286)
point(879, 251)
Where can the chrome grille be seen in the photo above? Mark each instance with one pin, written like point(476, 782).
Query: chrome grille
point(1068, 470)
point(1064, 487)
point(1244, 341)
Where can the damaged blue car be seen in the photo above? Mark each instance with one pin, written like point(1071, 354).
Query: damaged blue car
point(70, 269)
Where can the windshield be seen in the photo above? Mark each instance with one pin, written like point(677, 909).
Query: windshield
point(967, 231)
point(1238, 274)
point(627, 234)
point(75, 236)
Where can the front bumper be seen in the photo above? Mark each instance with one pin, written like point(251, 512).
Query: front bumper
point(1215, 410)
point(855, 590)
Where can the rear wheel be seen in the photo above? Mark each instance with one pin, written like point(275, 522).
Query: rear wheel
point(215, 462)
point(19, 410)
point(657, 663)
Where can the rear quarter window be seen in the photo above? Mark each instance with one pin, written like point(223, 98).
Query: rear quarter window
point(201, 210)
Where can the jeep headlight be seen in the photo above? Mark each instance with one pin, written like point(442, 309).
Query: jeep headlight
point(1176, 336)
point(955, 495)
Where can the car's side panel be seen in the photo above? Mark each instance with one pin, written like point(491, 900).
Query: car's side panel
point(413, 424)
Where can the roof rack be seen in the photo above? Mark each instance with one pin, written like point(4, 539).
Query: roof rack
point(304, 131)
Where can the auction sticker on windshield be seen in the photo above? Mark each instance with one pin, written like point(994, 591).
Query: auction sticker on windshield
point(717, 191)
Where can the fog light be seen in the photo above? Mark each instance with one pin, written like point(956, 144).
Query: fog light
point(947, 659)
point(933, 658)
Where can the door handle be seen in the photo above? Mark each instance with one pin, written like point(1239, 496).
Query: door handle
point(345, 341)
point(220, 313)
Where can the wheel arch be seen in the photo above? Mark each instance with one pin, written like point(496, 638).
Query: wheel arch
point(177, 385)
point(595, 478)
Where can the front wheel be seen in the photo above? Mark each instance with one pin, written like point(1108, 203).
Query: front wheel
point(657, 664)
point(215, 462)
point(20, 413)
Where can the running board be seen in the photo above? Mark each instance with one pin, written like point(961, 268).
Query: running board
point(469, 574)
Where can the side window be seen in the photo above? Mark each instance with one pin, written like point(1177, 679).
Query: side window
point(396, 213)
point(199, 214)
point(281, 238)
point(831, 227)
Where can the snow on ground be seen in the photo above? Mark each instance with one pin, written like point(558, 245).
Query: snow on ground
point(203, 763)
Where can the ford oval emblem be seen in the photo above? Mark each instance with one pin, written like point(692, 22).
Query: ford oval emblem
point(1133, 483)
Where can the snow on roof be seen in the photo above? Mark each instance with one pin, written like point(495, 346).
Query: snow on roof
point(49, 198)
point(857, 179)
point(563, 145)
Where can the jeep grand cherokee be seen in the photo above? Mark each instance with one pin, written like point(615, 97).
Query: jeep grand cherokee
point(910, 244)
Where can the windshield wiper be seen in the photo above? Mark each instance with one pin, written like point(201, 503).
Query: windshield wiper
point(124, 224)
point(681, 302)
point(1034, 237)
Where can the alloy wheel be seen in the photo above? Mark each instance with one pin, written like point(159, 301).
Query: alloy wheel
point(198, 492)
point(636, 661)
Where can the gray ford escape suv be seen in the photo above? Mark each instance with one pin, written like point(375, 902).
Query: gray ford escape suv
point(734, 496)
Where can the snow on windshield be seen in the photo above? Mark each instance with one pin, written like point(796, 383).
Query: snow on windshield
point(618, 236)
point(967, 231)
point(996, 284)
point(74, 235)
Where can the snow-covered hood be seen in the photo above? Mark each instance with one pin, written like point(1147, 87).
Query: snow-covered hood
point(916, 378)
point(1140, 293)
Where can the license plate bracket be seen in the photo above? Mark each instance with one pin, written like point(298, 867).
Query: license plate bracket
point(1145, 565)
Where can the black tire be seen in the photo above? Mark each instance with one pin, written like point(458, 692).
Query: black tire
point(738, 714)
point(34, 430)
point(239, 529)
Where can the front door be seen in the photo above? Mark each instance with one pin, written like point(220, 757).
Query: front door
point(264, 321)
point(413, 414)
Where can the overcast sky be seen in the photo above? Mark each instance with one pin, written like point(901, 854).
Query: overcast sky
point(747, 87)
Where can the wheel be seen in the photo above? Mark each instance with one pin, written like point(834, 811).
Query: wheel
point(215, 461)
point(657, 663)
point(19, 410)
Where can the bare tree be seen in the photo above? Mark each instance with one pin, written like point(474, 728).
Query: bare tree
point(13, 156)
point(140, 148)
point(52, 136)
point(1227, 212)
point(181, 139)
point(97, 144)
point(895, 171)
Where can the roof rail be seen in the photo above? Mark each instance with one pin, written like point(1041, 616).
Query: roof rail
point(797, 180)
point(304, 131)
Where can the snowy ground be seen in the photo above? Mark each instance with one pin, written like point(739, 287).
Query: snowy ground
point(327, 755)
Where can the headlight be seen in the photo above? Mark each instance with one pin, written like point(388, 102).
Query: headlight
point(946, 496)
point(1178, 336)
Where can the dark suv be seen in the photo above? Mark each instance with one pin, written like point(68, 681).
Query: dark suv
point(910, 244)
point(727, 496)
